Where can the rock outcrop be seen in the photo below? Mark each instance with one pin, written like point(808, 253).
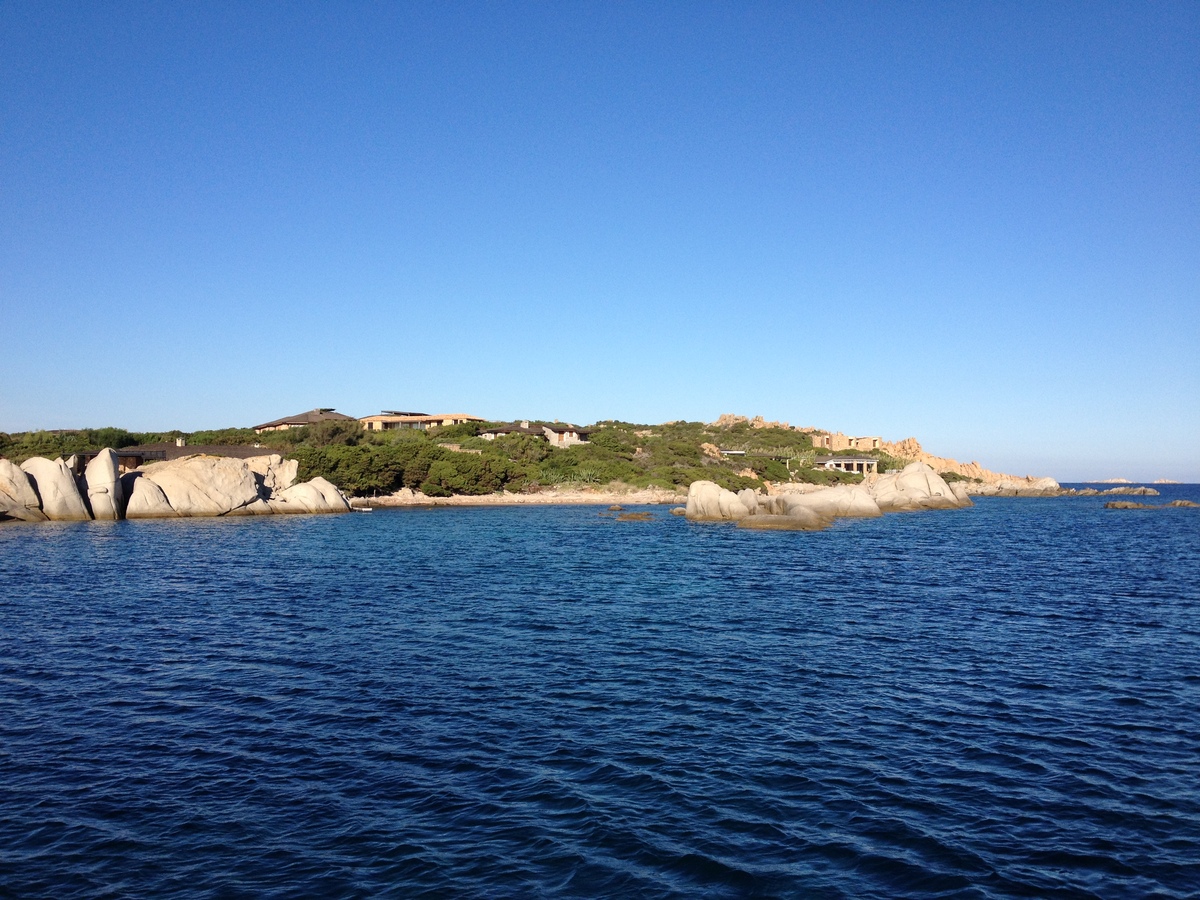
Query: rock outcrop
point(273, 473)
point(916, 486)
point(102, 479)
point(18, 500)
point(1017, 487)
point(316, 496)
point(146, 499)
point(58, 495)
point(204, 485)
point(983, 479)
point(1129, 504)
point(841, 501)
point(708, 502)
point(1139, 491)
point(198, 485)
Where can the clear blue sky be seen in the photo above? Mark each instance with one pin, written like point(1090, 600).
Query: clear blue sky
point(974, 223)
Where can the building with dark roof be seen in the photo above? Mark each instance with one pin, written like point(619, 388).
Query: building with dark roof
point(321, 414)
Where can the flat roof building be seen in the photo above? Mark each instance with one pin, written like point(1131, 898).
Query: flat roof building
point(389, 420)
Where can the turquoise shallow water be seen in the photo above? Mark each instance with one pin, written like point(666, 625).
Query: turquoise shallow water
point(995, 702)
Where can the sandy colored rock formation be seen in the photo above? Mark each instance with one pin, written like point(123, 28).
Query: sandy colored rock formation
point(840, 501)
point(18, 500)
point(316, 496)
point(275, 474)
point(102, 479)
point(146, 499)
point(204, 485)
point(961, 493)
point(728, 420)
point(910, 448)
point(708, 502)
point(916, 486)
point(58, 495)
point(195, 485)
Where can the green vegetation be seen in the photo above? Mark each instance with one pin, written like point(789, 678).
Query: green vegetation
point(887, 463)
point(362, 463)
point(19, 447)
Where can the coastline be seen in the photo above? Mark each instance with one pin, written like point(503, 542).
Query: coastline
point(548, 497)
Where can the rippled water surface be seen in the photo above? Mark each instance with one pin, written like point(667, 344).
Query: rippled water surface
point(994, 702)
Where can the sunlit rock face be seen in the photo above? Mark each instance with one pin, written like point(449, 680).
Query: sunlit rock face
point(57, 492)
point(42, 489)
point(102, 479)
point(18, 500)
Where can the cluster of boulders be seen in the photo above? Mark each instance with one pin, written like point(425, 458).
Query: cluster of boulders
point(915, 487)
point(42, 489)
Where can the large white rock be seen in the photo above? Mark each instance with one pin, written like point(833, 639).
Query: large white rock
point(749, 498)
point(56, 488)
point(276, 473)
point(916, 486)
point(204, 485)
point(146, 499)
point(709, 502)
point(18, 500)
point(840, 501)
point(960, 492)
point(259, 507)
point(316, 496)
point(102, 480)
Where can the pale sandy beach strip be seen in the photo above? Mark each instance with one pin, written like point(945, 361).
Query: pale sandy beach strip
point(547, 497)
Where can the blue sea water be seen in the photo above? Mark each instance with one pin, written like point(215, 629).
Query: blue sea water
point(1002, 701)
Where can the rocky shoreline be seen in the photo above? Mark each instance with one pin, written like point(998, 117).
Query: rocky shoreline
point(916, 487)
point(199, 485)
point(41, 490)
point(547, 497)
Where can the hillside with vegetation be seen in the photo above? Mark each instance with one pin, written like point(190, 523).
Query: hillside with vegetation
point(455, 460)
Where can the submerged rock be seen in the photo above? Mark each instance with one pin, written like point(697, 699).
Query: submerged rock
point(800, 520)
point(1130, 504)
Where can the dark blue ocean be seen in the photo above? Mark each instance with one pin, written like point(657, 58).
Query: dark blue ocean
point(546, 702)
